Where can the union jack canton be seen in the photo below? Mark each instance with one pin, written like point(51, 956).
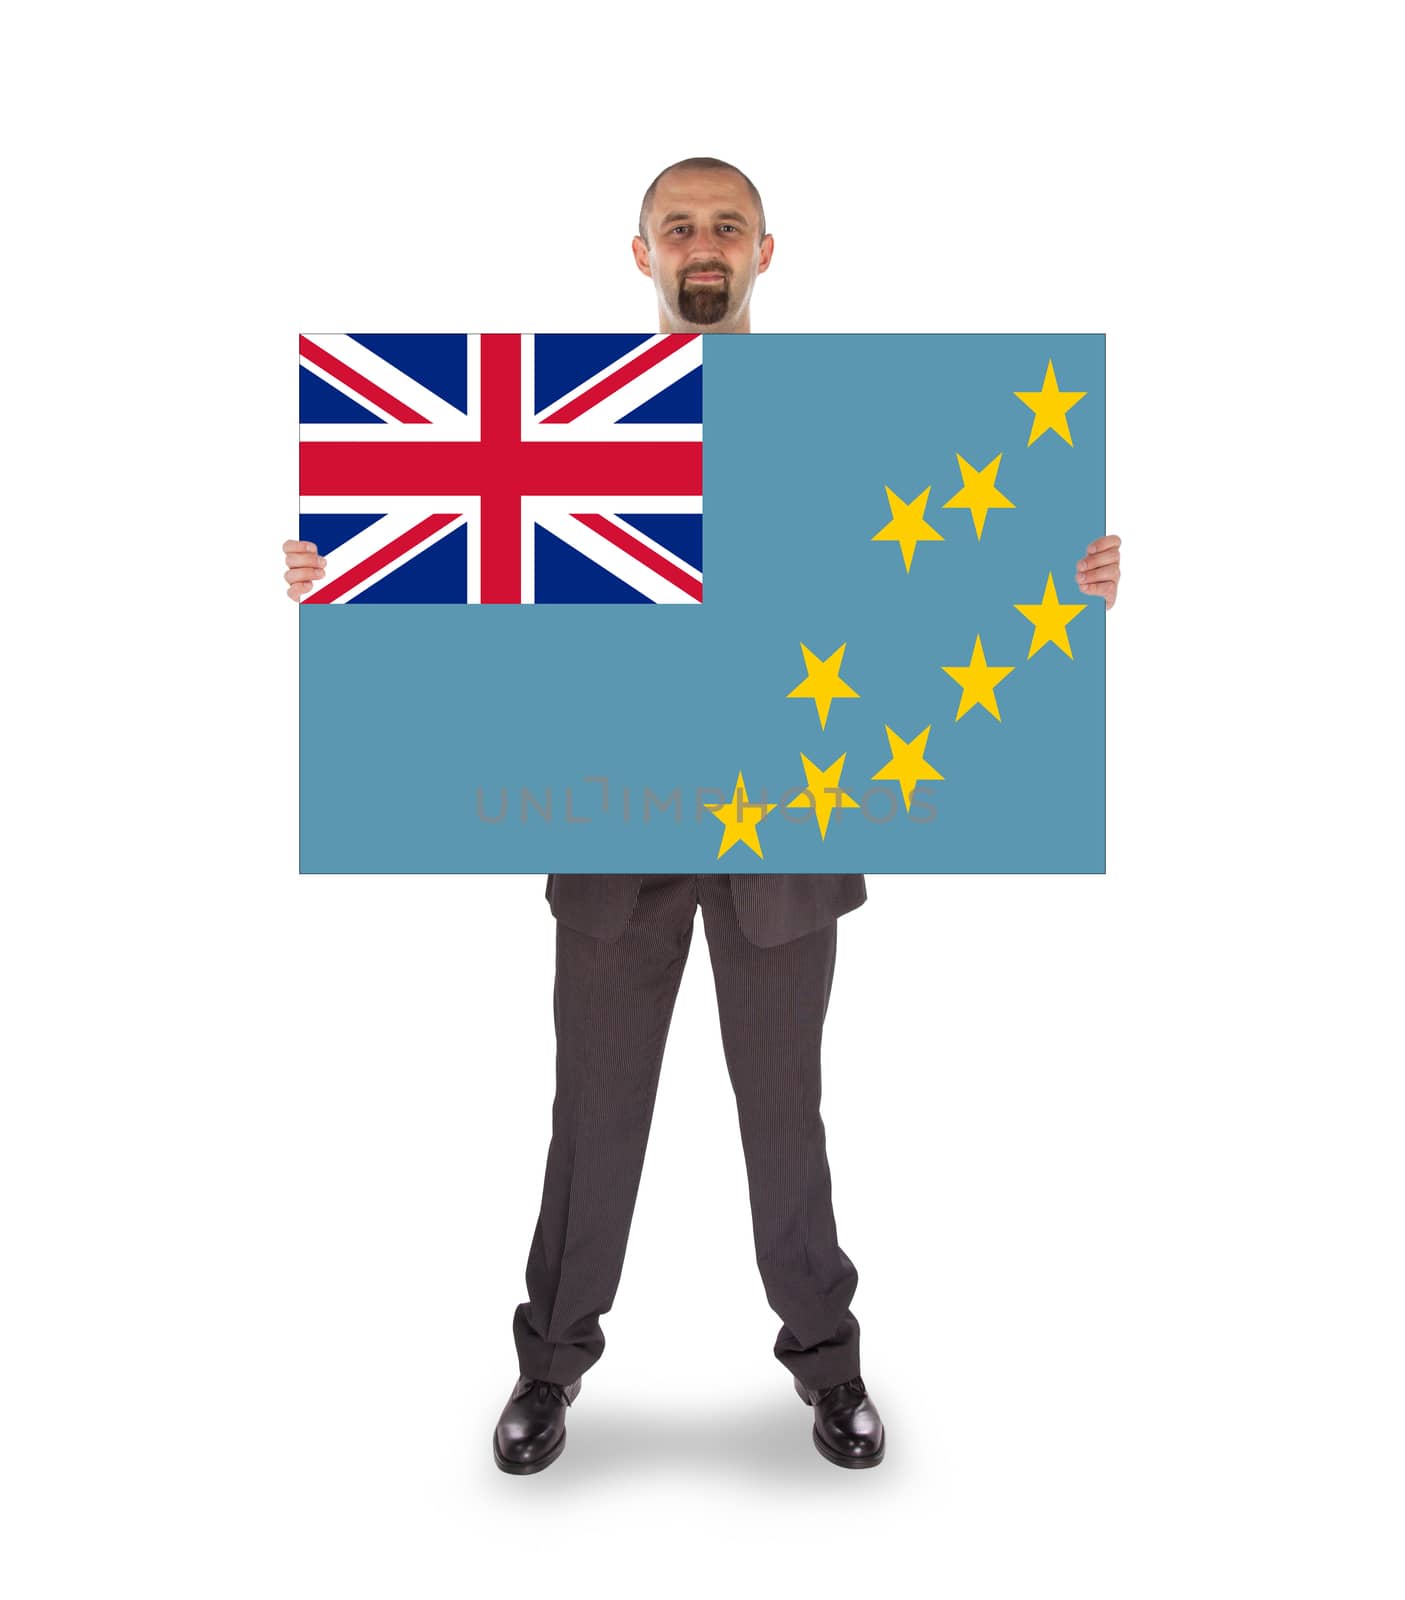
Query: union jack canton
point(502, 468)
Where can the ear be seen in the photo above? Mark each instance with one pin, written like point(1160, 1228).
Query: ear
point(641, 256)
point(764, 260)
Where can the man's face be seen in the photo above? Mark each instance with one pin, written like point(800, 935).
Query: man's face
point(705, 249)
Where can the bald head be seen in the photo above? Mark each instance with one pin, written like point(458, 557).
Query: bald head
point(700, 164)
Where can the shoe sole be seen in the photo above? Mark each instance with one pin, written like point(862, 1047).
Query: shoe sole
point(834, 1455)
point(521, 1468)
point(847, 1461)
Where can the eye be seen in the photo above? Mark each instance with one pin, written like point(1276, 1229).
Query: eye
point(677, 226)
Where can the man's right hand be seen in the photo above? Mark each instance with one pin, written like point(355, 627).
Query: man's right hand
point(305, 567)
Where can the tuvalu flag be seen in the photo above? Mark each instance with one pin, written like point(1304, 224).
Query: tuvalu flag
point(707, 603)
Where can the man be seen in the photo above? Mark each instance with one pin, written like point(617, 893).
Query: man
point(621, 945)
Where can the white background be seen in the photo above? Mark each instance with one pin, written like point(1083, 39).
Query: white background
point(1118, 1159)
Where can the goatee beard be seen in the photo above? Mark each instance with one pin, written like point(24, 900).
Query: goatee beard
point(704, 303)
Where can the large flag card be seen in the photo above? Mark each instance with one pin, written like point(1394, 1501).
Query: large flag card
point(701, 603)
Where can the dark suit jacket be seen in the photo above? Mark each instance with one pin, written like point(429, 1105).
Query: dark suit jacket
point(771, 908)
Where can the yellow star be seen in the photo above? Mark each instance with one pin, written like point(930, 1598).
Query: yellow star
point(822, 682)
point(907, 526)
point(1050, 619)
point(978, 681)
point(978, 493)
point(737, 827)
point(1050, 407)
point(909, 763)
point(823, 792)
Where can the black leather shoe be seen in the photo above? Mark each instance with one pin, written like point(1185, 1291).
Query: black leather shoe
point(531, 1431)
point(848, 1430)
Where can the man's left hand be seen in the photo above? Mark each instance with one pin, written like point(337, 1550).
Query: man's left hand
point(1100, 571)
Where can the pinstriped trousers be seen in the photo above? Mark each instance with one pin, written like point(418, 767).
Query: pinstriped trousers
point(613, 1002)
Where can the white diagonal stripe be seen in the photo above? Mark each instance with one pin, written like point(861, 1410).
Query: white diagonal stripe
point(601, 423)
point(383, 531)
point(604, 554)
point(361, 359)
point(553, 508)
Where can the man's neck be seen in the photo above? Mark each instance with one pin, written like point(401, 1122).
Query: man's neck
point(668, 324)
